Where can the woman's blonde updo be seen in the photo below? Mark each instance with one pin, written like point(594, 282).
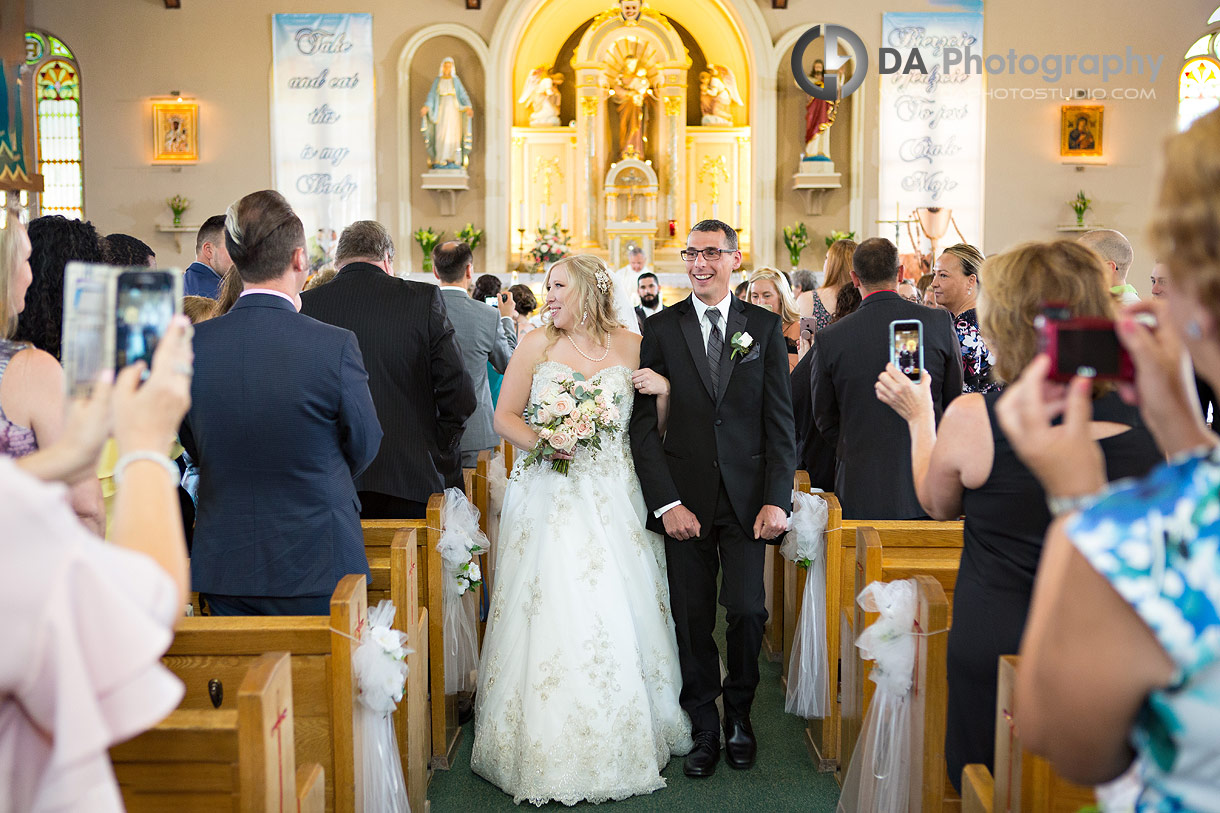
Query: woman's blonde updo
point(1185, 230)
point(591, 294)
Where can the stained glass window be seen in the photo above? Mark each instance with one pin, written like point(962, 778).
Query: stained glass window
point(1199, 80)
point(57, 100)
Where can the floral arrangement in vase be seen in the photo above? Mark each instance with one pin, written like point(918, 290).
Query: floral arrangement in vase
point(470, 236)
point(178, 205)
point(428, 240)
point(550, 244)
point(796, 238)
point(1080, 204)
point(836, 236)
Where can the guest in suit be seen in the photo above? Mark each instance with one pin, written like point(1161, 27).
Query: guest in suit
point(649, 291)
point(718, 485)
point(873, 472)
point(967, 465)
point(486, 335)
point(281, 421)
point(212, 261)
point(423, 393)
point(488, 286)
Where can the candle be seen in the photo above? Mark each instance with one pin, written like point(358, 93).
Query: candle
point(694, 214)
point(563, 216)
point(715, 211)
point(521, 213)
point(542, 215)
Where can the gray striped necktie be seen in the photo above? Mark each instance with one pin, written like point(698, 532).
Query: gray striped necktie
point(715, 346)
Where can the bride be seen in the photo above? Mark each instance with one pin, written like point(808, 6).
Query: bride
point(579, 680)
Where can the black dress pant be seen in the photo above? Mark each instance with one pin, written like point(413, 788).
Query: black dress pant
point(374, 505)
point(693, 565)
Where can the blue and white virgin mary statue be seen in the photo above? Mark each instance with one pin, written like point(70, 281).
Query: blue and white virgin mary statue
point(447, 120)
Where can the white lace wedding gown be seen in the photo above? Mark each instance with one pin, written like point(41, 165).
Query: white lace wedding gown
point(579, 680)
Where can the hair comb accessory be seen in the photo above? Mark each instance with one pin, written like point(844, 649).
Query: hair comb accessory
point(231, 226)
point(603, 280)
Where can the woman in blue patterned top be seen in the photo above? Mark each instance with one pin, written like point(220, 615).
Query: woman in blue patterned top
point(955, 285)
point(1121, 654)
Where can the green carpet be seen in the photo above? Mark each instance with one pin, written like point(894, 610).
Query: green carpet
point(784, 778)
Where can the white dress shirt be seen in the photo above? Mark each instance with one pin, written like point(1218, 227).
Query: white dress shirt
point(705, 329)
point(296, 303)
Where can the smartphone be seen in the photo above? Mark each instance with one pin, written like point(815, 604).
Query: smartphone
point(145, 303)
point(1082, 345)
point(809, 324)
point(491, 300)
point(906, 346)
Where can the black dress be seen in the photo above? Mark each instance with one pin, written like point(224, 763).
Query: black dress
point(1006, 521)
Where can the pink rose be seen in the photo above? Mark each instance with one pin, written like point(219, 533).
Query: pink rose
point(562, 441)
point(563, 405)
point(584, 429)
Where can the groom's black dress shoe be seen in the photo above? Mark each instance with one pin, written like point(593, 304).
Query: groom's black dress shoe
point(740, 747)
point(702, 759)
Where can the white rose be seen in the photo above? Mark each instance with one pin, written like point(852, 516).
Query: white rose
point(472, 572)
point(543, 415)
point(587, 407)
point(745, 340)
point(563, 405)
point(544, 433)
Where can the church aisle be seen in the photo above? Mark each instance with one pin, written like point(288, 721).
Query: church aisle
point(783, 781)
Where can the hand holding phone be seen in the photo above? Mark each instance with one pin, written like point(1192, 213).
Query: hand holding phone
point(1082, 345)
point(506, 305)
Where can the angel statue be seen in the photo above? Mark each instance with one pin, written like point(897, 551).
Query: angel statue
point(819, 115)
point(542, 95)
point(632, 90)
point(717, 93)
point(447, 120)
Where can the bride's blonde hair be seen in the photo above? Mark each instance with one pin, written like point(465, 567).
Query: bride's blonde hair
point(591, 292)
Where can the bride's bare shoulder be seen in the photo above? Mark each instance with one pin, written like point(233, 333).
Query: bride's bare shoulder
point(627, 337)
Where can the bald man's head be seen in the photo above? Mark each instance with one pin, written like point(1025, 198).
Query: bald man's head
point(1113, 248)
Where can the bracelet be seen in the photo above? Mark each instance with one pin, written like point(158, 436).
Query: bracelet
point(1067, 505)
point(131, 457)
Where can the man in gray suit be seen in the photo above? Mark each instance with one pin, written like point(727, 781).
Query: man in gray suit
point(485, 338)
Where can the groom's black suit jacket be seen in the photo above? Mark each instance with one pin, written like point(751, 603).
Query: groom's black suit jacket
point(745, 435)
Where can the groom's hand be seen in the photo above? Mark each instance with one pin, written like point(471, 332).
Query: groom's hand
point(680, 523)
point(771, 522)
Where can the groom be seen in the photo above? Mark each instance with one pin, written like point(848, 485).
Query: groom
point(717, 481)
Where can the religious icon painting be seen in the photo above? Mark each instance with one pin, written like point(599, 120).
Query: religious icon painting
point(1080, 130)
point(175, 132)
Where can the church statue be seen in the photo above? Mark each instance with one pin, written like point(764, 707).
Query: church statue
point(717, 94)
point(447, 120)
point(629, 10)
point(632, 91)
point(819, 115)
point(542, 95)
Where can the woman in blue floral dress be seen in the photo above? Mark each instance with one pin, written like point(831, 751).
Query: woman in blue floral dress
point(955, 285)
point(1121, 654)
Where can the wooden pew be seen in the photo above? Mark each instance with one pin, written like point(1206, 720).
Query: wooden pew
point(930, 790)
point(1023, 782)
point(822, 736)
point(379, 535)
point(324, 691)
point(232, 760)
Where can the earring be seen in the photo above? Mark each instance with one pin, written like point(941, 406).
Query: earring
point(584, 317)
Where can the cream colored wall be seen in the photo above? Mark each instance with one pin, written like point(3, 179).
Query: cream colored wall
point(219, 52)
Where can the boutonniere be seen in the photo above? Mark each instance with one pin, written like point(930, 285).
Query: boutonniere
point(741, 344)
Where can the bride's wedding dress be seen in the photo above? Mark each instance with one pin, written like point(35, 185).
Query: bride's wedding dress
point(579, 681)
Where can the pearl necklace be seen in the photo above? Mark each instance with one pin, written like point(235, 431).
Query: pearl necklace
point(586, 355)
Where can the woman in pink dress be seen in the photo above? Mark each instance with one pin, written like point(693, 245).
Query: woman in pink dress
point(87, 622)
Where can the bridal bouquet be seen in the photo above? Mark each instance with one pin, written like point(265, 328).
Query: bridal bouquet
point(570, 414)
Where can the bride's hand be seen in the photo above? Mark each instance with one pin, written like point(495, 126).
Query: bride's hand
point(649, 382)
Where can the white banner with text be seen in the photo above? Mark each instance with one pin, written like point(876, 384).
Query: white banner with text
point(931, 127)
point(323, 123)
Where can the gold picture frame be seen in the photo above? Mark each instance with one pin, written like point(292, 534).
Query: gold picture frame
point(1080, 130)
point(175, 132)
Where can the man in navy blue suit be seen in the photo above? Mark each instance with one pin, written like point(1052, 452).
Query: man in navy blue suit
point(202, 277)
point(281, 422)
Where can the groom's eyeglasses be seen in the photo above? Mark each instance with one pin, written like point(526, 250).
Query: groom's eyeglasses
point(709, 254)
